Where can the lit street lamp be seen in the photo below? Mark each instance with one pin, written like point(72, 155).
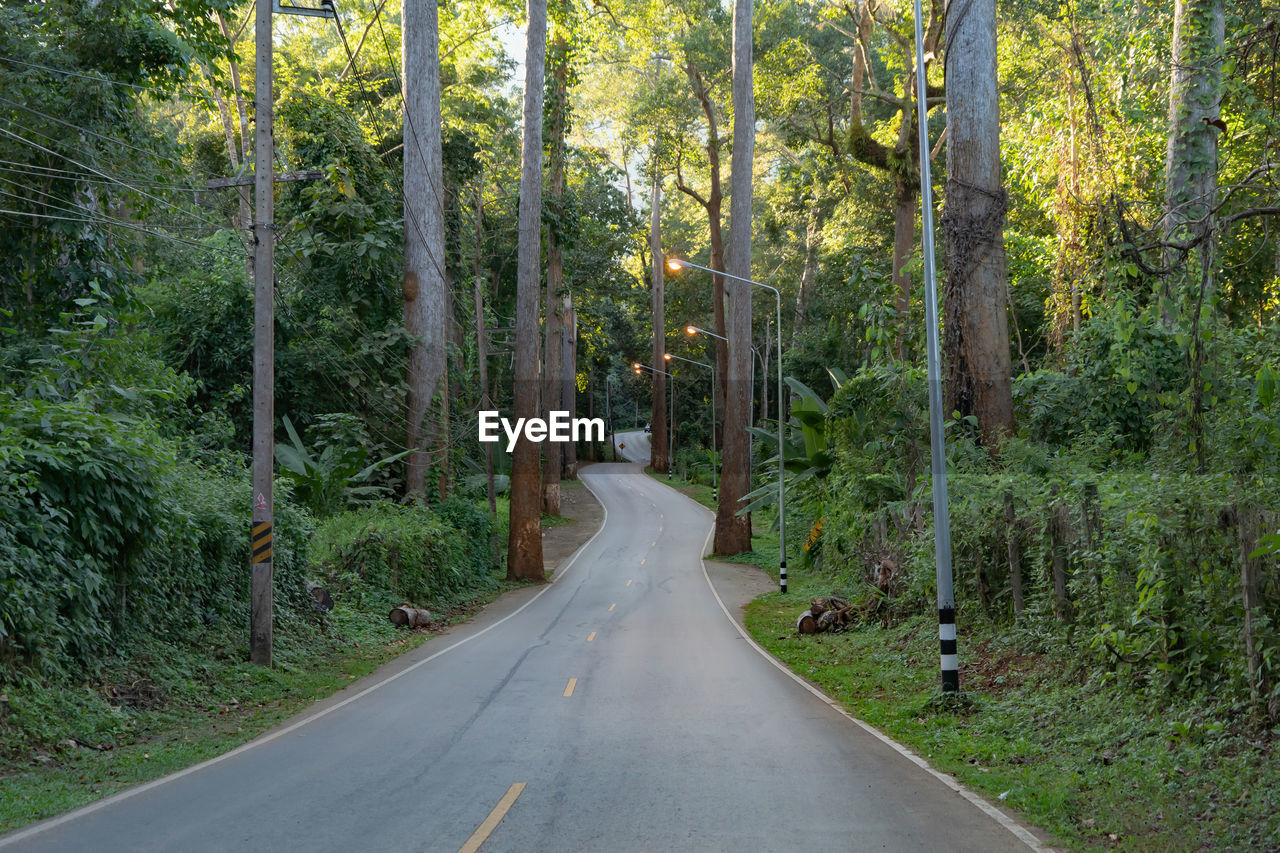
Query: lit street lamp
point(715, 492)
point(675, 265)
point(671, 428)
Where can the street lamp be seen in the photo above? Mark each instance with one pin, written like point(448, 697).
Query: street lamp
point(671, 443)
point(715, 492)
point(675, 265)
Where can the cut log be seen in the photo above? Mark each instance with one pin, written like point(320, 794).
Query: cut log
point(321, 600)
point(806, 624)
point(409, 617)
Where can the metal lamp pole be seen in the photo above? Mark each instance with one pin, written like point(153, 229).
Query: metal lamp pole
point(675, 265)
point(712, 365)
point(670, 439)
point(715, 491)
point(950, 661)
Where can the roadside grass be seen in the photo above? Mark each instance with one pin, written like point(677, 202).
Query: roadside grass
point(700, 492)
point(174, 704)
point(1098, 764)
point(180, 701)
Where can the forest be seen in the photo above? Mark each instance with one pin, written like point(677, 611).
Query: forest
point(1108, 268)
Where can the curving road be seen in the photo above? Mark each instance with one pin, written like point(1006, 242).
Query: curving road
point(615, 709)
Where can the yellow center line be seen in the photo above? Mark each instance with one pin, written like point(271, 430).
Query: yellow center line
point(611, 606)
point(568, 690)
point(495, 817)
point(628, 583)
point(643, 560)
point(591, 636)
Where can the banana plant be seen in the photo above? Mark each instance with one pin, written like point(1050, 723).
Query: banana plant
point(806, 456)
point(327, 482)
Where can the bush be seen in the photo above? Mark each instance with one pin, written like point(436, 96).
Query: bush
point(103, 532)
point(407, 553)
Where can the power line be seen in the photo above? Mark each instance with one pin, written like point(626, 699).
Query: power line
point(74, 162)
point(119, 223)
point(108, 80)
point(91, 132)
point(81, 177)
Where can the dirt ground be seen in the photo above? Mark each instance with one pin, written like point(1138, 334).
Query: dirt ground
point(559, 542)
point(738, 584)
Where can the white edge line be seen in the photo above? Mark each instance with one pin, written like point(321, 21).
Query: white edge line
point(999, 816)
point(50, 823)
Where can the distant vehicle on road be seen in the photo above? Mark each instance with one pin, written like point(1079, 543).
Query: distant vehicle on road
point(646, 428)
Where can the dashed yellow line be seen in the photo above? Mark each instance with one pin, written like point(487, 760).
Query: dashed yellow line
point(495, 817)
point(643, 560)
point(611, 606)
point(628, 582)
point(568, 690)
point(591, 636)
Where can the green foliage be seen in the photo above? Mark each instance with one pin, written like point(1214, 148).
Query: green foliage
point(105, 533)
point(336, 474)
point(407, 553)
point(1121, 370)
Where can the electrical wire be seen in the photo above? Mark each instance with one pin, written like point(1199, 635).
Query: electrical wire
point(108, 80)
point(137, 190)
point(121, 224)
point(91, 132)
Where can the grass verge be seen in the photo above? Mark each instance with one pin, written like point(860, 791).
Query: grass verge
point(174, 704)
point(1099, 765)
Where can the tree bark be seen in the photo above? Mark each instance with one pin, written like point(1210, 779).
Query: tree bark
point(1191, 158)
point(712, 204)
point(1249, 526)
point(246, 218)
point(554, 322)
point(425, 290)
point(658, 430)
point(812, 242)
point(976, 334)
point(733, 532)
point(524, 542)
point(482, 342)
point(569, 384)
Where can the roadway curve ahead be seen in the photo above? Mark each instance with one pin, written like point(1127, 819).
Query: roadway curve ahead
point(616, 709)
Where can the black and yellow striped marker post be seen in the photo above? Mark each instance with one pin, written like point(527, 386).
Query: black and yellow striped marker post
point(261, 542)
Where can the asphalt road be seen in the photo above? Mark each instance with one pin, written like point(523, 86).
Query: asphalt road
point(615, 709)
point(633, 446)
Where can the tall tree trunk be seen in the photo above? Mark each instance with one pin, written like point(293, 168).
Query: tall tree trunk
point(482, 341)
point(712, 205)
point(979, 370)
point(905, 194)
point(569, 383)
point(524, 543)
point(1191, 159)
point(733, 532)
point(425, 289)
point(658, 434)
point(246, 218)
point(812, 242)
point(554, 322)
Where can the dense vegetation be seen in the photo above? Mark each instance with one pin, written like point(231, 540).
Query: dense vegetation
point(1128, 518)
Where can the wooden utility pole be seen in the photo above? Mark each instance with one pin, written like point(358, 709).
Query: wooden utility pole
point(260, 638)
point(260, 602)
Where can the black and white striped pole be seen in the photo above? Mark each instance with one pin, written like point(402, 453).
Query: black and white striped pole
point(950, 660)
